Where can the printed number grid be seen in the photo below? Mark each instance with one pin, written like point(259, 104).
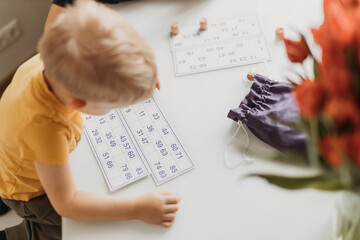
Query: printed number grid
point(217, 31)
point(114, 149)
point(129, 141)
point(226, 43)
point(165, 155)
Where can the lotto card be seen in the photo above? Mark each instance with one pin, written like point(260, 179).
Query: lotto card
point(226, 43)
point(132, 142)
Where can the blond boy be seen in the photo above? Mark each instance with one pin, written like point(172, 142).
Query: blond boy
point(91, 61)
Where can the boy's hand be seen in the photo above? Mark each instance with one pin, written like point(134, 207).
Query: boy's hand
point(157, 208)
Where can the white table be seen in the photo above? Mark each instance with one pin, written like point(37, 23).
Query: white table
point(216, 202)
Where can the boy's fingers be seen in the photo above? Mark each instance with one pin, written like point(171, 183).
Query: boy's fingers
point(172, 199)
point(171, 208)
point(166, 193)
point(169, 217)
point(167, 224)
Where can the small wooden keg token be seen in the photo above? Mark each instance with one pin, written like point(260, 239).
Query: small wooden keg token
point(174, 28)
point(279, 33)
point(203, 24)
point(250, 76)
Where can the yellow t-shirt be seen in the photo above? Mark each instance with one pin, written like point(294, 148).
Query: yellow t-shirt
point(34, 125)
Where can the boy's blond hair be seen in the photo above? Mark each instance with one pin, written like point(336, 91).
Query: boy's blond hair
point(96, 55)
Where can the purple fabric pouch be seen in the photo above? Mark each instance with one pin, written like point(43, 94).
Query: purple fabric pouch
point(269, 110)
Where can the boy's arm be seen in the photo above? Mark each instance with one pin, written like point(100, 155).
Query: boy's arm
point(156, 208)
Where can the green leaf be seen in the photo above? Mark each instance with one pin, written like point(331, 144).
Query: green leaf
point(329, 182)
point(291, 158)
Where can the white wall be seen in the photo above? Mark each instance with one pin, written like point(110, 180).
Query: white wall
point(31, 15)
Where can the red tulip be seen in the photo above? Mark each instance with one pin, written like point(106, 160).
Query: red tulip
point(343, 110)
point(338, 27)
point(335, 79)
point(332, 148)
point(309, 97)
point(296, 51)
point(350, 3)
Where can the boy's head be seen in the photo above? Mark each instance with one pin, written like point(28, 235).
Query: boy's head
point(96, 58)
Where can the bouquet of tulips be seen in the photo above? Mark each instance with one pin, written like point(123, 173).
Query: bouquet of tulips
point(329, 106)
point(329, 102)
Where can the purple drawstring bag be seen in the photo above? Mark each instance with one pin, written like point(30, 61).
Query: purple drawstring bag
point(269, 111)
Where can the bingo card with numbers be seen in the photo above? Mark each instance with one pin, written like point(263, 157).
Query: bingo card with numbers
point(226, 43)
point(131, 143)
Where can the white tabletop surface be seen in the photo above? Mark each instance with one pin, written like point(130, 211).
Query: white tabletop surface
point(217, 203)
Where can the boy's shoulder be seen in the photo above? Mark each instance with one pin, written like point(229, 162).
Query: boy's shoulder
point(30, 66)
point(36, 121)
point(29, 98)
point(22, 92)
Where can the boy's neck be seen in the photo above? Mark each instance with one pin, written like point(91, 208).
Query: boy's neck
point(63, 96)
point(57, 94)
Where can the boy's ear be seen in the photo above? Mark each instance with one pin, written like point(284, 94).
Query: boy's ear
point(76, 103)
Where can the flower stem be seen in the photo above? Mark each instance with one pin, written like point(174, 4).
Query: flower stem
point(314, 138)
point(345, 175)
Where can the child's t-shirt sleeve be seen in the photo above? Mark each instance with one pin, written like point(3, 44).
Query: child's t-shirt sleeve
point(45, 141)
